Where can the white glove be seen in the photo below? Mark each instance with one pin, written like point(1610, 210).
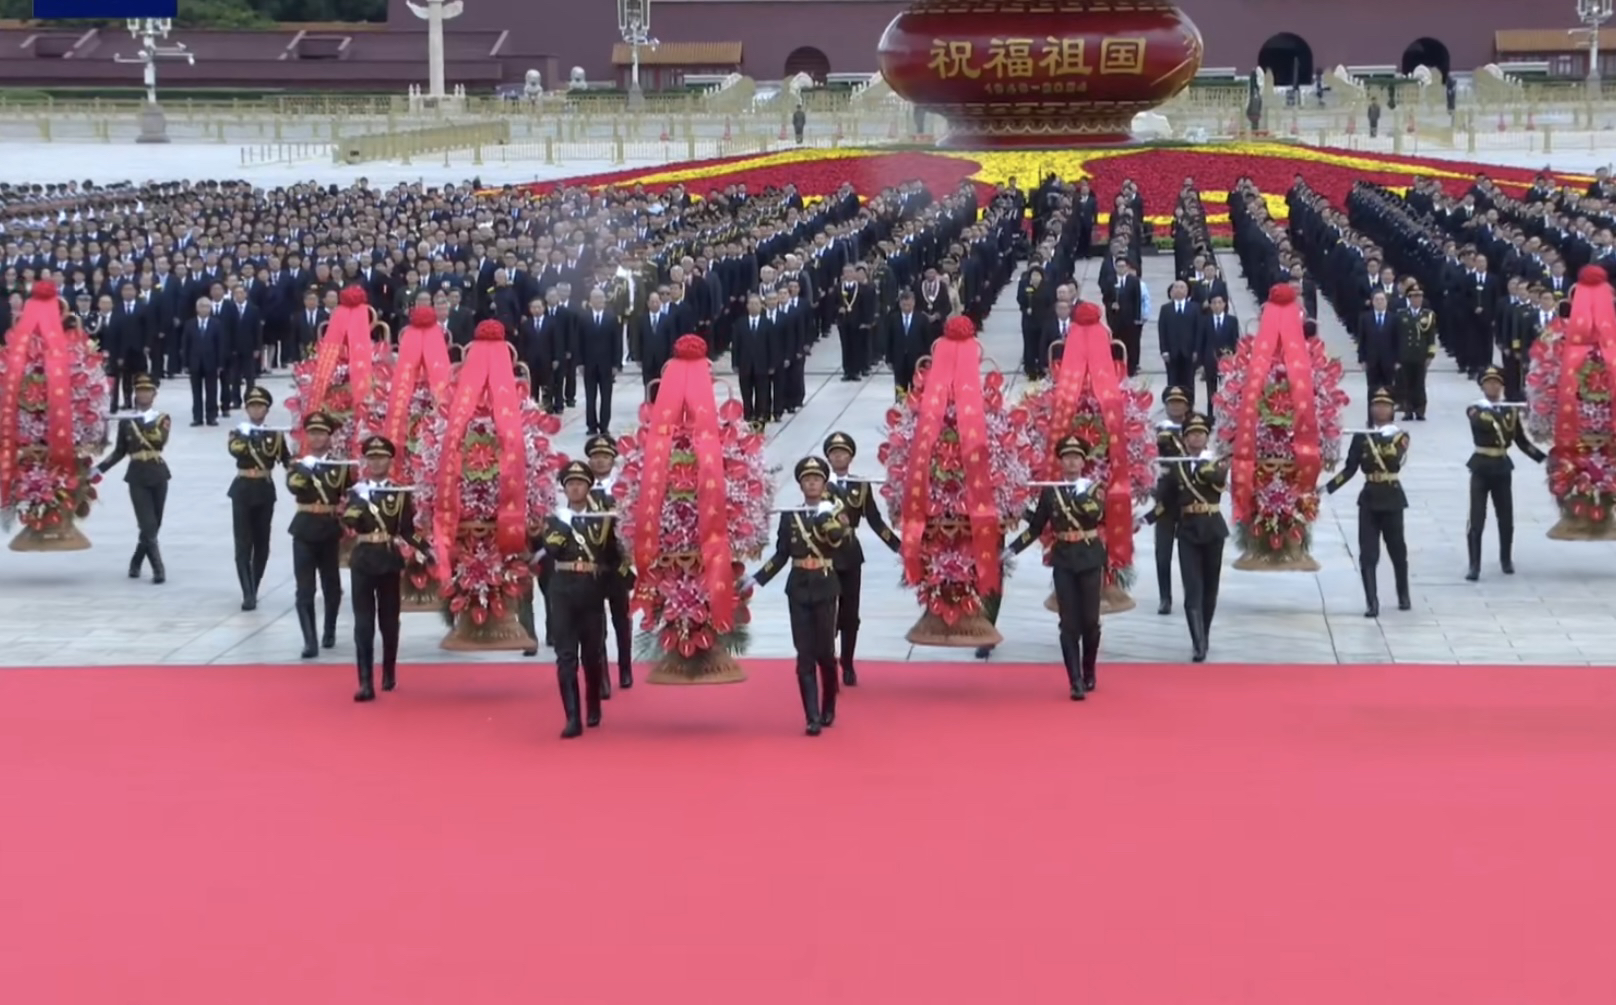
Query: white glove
point(1083, 484)
point(1167, 424)
point(149, 415)
point(1388, 430)
point(310, 462)
point(825, 509)
point(363, 490)
point(1006, 555)
point(244, 428)
point(746, 585)
point(1209, 454)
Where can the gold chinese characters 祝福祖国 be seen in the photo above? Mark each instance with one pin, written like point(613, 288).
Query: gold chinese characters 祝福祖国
point(1013, 59)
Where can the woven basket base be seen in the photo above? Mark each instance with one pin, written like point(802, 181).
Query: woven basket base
point(970, 632)
point(65, 537)
point(1290, 560)
point(1569, 528)
point(418, 600)
point(502, 634)
point(1113, 600)
point(714, 666)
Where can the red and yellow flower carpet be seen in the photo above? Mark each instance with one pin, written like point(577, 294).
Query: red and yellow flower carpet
point(1158, 171)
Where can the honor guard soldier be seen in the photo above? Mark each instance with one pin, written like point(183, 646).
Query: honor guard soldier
point(1169, 443)
point(141, 439)
point(808, 540)
point(319, 484)
point(1074, 511)
point(858, 503)
point(1416, 346)
point(574, 538)
point(1494, 426)
point(617, 575)
point(258, 451)
point(1379, 453)
point(382, 516)
point(1193, 498)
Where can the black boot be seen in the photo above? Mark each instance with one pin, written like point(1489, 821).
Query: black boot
point(364, 658)
point(1071, 659)
point(389, 675)
point(983, 652)
point(827, 696)
point(305, 621)
point(625, 674)
point(158, 574)
point(1473, 542)
point(595, 688)
point(1371, 594)
point(328, 638)
point(1091, 657)
point(569, 703)
point(849, 647)
point(524, 617)
point(1404, 601)
point(1197, 637)
point(249, 585)
point(1506, 549)
point(136, 561)
point(809, 688)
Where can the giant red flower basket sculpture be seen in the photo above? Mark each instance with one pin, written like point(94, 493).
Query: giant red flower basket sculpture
point(417, 382)
point(694, 500)
point(1089, 398)
point(958, 465)
point(1279, 419)
point(487, 480)
point(1569, 403)
point(53, 399)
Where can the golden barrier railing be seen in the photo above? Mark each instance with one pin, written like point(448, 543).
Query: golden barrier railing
point(409, 143)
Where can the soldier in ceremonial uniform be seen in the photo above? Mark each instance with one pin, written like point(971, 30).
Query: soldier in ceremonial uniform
point(573, 539)
point(859, 502)
point(319, 485)
point(258, 452)
point(1379, 454)
point(382, 515)
point(807, 542)
point(1193, 497)
point(141, 439)
point(617, 575)
point(1493, 428)
point(1075, 512)
point(1416, 346)
point(1169, 443)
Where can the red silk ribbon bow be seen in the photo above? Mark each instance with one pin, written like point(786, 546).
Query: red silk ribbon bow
point(955, 376)
point(487, 368)
point(685, 395)
point(346, 340)
point(1279, 339)
point(1592, 324)
point(41, 319)
point(1087, 358)
point(423, 350)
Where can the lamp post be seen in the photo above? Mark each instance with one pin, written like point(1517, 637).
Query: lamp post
point(150, 33)
point(434, 13)
point(634, 24)
point(1594, 13)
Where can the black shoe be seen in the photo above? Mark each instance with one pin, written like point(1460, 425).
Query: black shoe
point(1372, 609)
point(530, 653)
point(389, 677)
point(808, 688)
point(197, 423)
point(328, 638)
point(1474, 574)
point(367, 687)
point(1078, 693)
point(569, 704)
point(1404, 604)
point(593, 693)
point(849, 675)
point(214, 422)
point(305, 621)
point(136, 562)
point(1507, 566)
point(983, 652)
point(1165, 607)
point(625, 676)
point(159, 574)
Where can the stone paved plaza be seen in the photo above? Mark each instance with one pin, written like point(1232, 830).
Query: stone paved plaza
point(81, 609)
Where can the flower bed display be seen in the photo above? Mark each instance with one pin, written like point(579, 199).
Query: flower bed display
point(958, 463)
point(417, 382)
point(1568, 393)
point(1279, 419)
point(1159, 172)
point(694, 498)
point(487, 481)
point(1090, 399)
point(340, 378)
point(53, 400)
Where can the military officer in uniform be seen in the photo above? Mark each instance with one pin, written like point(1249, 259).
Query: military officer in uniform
point(1494, 426)
point(382, 516)
point(573, 538)
point(859, 502)
point(807, 542)
point(1379, 454)
point(319, 485)
point(1074, 511)
point(141, 439)
point(258, 452)
point(1193, 497)
point(1169, 443)
point(617, 576)
point(1416, 346)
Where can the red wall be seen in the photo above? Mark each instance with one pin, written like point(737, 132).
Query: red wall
point(1361, 32)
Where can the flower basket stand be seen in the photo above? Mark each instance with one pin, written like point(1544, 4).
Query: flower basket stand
point(708, 666)
point(971, 631)
point(501, 632)
point(419, 591)
point(1572, 527)
point(65, 536)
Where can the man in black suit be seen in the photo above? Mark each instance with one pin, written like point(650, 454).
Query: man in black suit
point(126, 338)
point(1482, 292)
point(204, 345)
point(1209, 284)
point(1178, 330)
point(801, 327)
point(1127, 311)
point(756, 355)
point(1220, 334)
point(600, 353)
point(908, 337)
point(1377, 343)
point(536, 345)
point(657, 333)
point(855, 319)
point(306, 326)
point(244, 324)
point(462, 320)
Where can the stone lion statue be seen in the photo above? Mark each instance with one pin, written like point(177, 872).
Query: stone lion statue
point(577, 81)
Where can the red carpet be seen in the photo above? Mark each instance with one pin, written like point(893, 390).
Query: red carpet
point(1301, 835)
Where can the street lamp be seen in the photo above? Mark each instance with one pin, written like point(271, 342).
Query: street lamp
point(150, 32)
point(1594, 13)
point(634, 24)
